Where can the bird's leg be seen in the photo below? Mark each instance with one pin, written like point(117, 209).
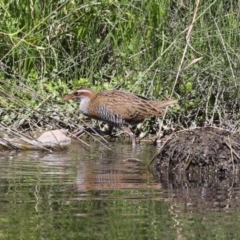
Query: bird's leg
point(109, 131)
point(110, 128)
point(129, 132)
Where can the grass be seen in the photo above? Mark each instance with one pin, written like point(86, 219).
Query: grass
point(187, 50)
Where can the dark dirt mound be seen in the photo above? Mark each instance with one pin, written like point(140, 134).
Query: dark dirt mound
point(209, 149)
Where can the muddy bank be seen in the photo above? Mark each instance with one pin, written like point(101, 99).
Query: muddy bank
point(209, 149)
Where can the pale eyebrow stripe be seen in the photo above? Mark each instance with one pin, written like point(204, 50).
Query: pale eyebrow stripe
point(83, 91)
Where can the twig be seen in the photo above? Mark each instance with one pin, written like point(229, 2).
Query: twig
point(35, 109)
point(231, 150)
point(225, 49)
point(160, 150)
point(27, 139)
point(187, 164)
point(9, 144)
point(181, 64)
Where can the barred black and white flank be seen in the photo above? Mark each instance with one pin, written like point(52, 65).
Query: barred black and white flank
point(118, 108)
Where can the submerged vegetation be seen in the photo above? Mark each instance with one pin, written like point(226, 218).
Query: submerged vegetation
point(186, 50)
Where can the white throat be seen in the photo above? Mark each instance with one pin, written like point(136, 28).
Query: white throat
point(84, 102)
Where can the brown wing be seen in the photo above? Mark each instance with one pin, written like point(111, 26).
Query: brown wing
point(118, 107)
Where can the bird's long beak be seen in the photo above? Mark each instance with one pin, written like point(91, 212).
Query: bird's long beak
point(69, 97)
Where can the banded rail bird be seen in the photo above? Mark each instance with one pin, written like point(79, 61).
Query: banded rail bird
point(118, 108)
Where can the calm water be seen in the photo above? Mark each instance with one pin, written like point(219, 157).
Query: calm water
point(96, 194)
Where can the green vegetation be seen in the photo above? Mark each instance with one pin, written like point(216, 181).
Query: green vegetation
point(187, 50)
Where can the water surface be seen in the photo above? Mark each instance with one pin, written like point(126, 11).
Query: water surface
point(97, 193)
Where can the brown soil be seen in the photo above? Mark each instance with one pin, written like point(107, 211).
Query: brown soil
point(206, 149)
